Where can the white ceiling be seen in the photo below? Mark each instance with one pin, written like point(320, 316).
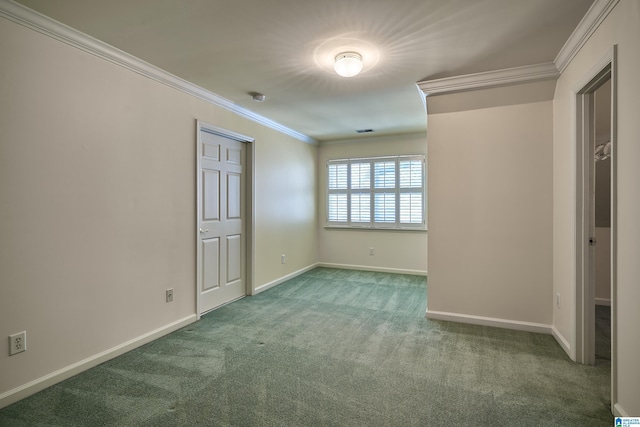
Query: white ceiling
point(285, 49)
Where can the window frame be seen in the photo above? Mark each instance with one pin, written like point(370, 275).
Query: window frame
point(346, 187)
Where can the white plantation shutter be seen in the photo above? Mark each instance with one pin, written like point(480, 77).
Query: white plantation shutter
point(360, 193)
point(377, 192)
point(360, 176)
point(385, 208)
point(338, 196)
point(411, 208)
point(384, 190)
point(385, 174)
point(338, 176)
point(361, 208)
point(411, 190)
point(410, 173)
point(338, 207)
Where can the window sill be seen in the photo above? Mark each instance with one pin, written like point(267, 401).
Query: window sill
point(344, 227)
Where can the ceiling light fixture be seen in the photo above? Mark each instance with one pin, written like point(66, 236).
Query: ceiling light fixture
point(348, 64)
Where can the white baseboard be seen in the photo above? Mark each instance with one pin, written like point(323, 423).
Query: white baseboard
point(618, 411)
point(489, 321)
point(18, 393)
point(283, 279)
point(562, 341)
point(603, 301)
point(290, 276)
point(369, 268)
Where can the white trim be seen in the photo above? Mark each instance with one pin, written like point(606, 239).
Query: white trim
point(614, 224)
point(250, 199)
point(597, 13)
point(618, 411)
point(356, 228)
point(490, 321)
point(374, 269)
point(603, 301)
point(224, 132)
point(18, 393)
point(290, 276)
point(283, 279)
point(584, 329)
point(526, 74)
point(424, 100)
point(588, 81)
point(566, 346)
point(584, 338)
point(43, 24)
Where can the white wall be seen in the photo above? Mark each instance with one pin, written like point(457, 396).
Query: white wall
point(286, 209)
point(402, 251)
point(620, 27)
point(97, 212)
point(490, 205)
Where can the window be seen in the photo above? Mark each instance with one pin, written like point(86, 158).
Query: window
point(376, 192)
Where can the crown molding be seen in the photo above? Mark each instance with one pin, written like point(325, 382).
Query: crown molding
point(29, 18)
point(597, 13)
point(526, 74)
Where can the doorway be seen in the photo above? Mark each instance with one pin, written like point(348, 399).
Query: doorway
point(223, 217)
point(596, 209)
point(602, 200)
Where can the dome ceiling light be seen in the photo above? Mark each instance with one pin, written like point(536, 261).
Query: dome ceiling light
point(348, 64)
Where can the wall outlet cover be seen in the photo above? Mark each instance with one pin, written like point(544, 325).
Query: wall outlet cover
point(17, 343)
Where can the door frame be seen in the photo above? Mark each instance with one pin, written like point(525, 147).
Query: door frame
point(584, 322)
point(248, 198)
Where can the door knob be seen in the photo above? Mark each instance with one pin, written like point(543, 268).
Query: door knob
point(204, 231)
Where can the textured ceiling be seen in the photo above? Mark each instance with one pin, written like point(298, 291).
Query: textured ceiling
point(285, 49)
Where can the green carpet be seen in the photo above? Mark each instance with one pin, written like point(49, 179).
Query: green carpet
point(331, 348)
point(603, 333)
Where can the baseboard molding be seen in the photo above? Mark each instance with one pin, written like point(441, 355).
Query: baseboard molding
point(18, 393)
point(618, 411)
point(376, 269)
point(603, 301)
point(290, 276)
point(283, 279)
point(489, 321)
point(562, 341)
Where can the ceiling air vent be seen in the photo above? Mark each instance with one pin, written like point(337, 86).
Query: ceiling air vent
point(364, 130)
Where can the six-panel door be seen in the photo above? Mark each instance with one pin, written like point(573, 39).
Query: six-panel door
point(221, 233)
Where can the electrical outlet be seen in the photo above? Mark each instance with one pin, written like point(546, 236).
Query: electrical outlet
point(17, 343)
point(169, 294)
point(372, 251)
point(558, 299)
point(283, 258)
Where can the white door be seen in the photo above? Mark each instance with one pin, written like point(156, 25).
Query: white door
point(221, 243)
